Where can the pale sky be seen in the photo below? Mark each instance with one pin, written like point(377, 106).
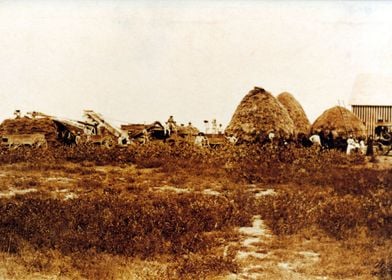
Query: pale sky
point(141, 61)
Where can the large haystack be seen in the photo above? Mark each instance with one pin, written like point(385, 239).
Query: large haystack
point(258, 113)
point(340, 121)
point(296, 112)
point(27, 126)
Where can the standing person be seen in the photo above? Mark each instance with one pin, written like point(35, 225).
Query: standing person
point(303, 140)
point(145, 136)
point(330, 140)
point(220, 129)
point(271, 136)
point(322, 135)
point(362, 146)
point(351, 145)
point(78, 139)
point(200, 140)
point(214, 126)
point(315, 139)
point(369, 149)
point(271, 139)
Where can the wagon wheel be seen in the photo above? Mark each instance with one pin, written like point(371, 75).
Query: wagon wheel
point(385, 136)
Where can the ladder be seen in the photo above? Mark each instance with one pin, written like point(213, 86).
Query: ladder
point(344, 117)
point(96, 118)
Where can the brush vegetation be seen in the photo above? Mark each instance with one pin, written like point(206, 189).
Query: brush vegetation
point(119, 220)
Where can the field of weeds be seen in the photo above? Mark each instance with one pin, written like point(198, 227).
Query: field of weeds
point(180, 212)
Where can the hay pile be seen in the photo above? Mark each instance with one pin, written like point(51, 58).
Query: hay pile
point(296, 112)
point(258, 113)
point(133, 128)
point(188, 130)
point(340, 121)
point(28, 126)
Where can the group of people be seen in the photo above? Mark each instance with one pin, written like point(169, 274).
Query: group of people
point(189, 133)
point(356, 145)
point(323, 139)
point(201, 140)
point(350, 145)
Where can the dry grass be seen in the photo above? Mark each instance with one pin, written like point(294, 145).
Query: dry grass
point(128, 220)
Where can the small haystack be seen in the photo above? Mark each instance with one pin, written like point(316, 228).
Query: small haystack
point(188, 130)
point(27, 125)
point(340, 121)
point(296, 112)
point(259, 113)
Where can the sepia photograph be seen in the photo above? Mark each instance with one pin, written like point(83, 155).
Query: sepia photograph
point(210, 139)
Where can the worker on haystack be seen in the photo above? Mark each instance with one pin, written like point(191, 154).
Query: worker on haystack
point(182, 127)
point(166, 129)
point(190, 126)
point(190, 131)
point(171, 123)
point(17, 114)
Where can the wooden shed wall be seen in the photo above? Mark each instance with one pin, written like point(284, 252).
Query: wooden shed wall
point(371, 114)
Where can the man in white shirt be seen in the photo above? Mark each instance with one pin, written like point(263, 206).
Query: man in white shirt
point(315, 139)
point(201, 140)
point(351, 145)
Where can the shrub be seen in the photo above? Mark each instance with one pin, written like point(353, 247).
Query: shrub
point(143, 226)
point(340, 216)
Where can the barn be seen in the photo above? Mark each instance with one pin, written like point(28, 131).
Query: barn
point(372, 100)
point(372, 114)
